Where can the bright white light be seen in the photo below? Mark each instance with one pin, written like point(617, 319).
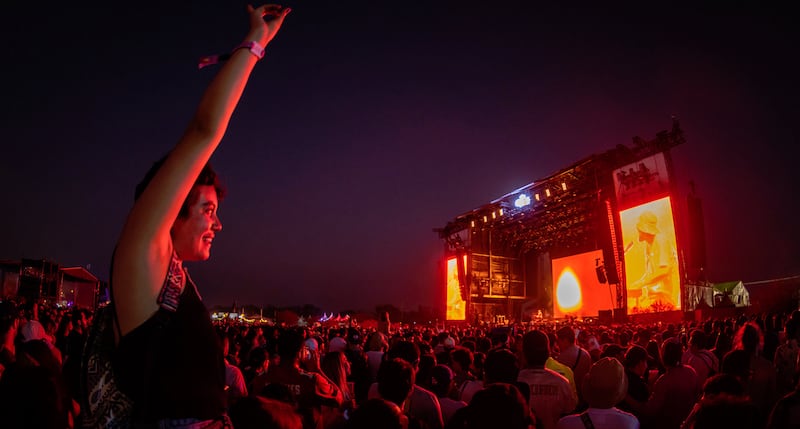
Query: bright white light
point(568, 291)
point(522, 201)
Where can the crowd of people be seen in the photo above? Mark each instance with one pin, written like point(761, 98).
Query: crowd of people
point(736, 372)
point(154, 358)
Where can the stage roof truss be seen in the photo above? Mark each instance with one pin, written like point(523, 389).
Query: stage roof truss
point(564, 218)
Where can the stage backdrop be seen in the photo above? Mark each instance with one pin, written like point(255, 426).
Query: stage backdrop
point(577, 290)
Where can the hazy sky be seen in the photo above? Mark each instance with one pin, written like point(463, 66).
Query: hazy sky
point(368, 124)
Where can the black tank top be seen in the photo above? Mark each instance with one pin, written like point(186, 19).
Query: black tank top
point(172, 364)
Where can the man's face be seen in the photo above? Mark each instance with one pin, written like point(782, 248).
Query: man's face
point(563, 343)
point(643, 236)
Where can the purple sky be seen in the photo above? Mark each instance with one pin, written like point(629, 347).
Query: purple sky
point(366, 126)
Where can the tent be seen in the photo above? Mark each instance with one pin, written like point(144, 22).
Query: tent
point(79, 287)
point(731, 294)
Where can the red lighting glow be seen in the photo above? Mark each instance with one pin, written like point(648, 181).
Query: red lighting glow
point(577, 291)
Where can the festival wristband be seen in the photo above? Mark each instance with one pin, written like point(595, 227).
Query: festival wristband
point(254, 47)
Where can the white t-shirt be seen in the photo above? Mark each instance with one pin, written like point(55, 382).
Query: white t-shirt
point(551, 395)
point(234, 381)
point(602, 418)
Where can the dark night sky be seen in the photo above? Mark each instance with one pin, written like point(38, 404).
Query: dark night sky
point(368, 124)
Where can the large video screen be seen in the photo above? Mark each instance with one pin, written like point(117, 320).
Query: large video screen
point(652, 276)
point(641, 181)
point(576, 288)
point(456, 307)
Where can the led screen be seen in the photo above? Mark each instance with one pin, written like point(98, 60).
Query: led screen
point(456, 307)
point(641, 181)
point(652, 277)
point(577, 292)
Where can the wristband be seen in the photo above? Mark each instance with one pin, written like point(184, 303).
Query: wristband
point(254, 47)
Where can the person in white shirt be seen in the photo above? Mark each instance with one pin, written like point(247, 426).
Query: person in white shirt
point(551, 395)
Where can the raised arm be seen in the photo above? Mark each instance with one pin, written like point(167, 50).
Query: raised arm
point(144, 249)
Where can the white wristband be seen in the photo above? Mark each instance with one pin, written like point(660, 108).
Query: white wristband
point(254, 47)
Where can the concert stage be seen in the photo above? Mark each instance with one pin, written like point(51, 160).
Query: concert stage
point(599, 237)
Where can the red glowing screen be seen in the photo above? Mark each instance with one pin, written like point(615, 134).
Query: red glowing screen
point(577, 291)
